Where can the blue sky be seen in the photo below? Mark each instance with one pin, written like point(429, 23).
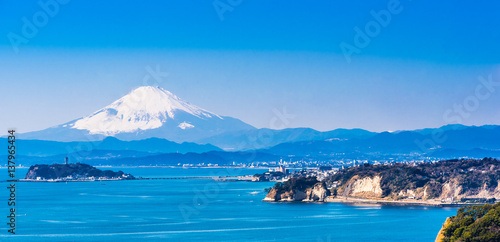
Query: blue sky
point(259, 58)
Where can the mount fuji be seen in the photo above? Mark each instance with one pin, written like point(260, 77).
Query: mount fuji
point(145, 112)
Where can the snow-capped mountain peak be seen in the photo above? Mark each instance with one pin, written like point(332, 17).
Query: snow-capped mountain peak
point(146, 112)
point(144, 108)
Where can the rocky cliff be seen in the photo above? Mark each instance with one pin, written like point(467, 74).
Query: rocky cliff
point(472, 223)
point(441, 235)
point(442, 181)
point(298, 189)
point(363, 187)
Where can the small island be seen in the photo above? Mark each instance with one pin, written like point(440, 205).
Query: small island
point(449, 182)
point(72, 172)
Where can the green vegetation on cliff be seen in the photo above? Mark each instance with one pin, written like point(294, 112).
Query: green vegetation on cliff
point(474, 223)
point(72, 172)
point(307, 189)
point(471, 175)
point(301, 184)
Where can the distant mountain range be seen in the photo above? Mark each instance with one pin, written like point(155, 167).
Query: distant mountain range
point(457, 142)
point(449, 140)
point(135, 158)
point(153, 112)
point(213, 157)
point(152, 123)
point(44, 148)
point(263, 138)
point(146, 112)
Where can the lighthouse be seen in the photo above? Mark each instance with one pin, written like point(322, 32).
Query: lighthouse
point(66, 160)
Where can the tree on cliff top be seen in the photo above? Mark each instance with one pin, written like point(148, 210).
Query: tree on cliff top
point(300, 183)
point(474, 223)
point(472, 175)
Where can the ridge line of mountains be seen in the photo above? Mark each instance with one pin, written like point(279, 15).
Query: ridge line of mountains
point(297, 145)
point(151, 122)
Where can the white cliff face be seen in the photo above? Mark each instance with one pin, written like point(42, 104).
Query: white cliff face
point(484, 192)
point(453, 191)
point(450, 190)
point(367, 185)
point(407, 193)
point(316, 194)
point(142, 109)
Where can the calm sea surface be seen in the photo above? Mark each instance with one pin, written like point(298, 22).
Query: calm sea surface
point(198, 209)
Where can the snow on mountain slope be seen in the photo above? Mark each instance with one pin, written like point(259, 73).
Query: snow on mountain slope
point(146, 112)
point(185, 125)
point(142, 109)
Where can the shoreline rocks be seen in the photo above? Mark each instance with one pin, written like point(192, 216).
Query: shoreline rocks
point(317, 193)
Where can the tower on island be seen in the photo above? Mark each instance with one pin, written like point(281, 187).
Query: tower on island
point(66, 160)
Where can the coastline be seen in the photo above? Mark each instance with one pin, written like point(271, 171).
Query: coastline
point(440, 235)
point(215, 178)
point(395, 203)
point(191, 167)
point(377, 202)
point(183, 167)
point(82, 180)
point(385, 202)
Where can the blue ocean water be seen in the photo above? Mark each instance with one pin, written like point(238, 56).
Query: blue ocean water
point(200, 209)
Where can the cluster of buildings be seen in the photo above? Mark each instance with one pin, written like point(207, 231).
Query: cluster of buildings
point(281, 173)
